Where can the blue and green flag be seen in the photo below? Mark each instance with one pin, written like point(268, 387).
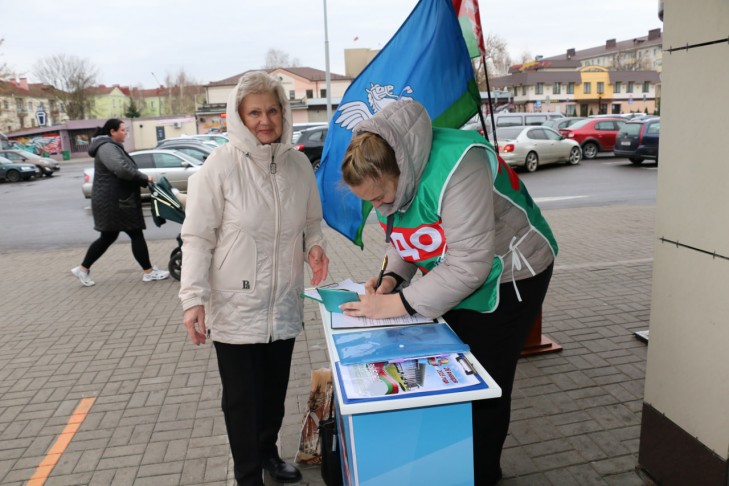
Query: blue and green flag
point(426, 60)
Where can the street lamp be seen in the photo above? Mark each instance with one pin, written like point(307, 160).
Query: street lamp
point(326, 57)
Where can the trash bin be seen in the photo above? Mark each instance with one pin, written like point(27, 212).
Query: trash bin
point(46, 155)
point(66, 154)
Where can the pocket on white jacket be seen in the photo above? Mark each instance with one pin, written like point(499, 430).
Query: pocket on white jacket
point(234, 263)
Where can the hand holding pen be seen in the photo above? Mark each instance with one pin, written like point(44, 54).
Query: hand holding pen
point(374, 284)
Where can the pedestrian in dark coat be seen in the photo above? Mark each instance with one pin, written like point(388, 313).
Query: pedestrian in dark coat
point(116, 201)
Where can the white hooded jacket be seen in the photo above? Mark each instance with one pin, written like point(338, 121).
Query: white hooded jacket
point(253, 213)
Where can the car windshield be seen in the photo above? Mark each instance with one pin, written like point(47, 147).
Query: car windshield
point(631, 128)
point(580, 124)
point(508, 133)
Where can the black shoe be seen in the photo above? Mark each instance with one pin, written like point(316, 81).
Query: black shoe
point(280, 471)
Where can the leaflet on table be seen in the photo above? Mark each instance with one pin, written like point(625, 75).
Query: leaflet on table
point(387, 380)
point(397, 343)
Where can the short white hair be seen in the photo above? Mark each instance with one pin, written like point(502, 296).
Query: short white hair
point(256, 82)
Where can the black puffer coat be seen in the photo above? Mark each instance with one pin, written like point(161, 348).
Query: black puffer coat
point(115, 196)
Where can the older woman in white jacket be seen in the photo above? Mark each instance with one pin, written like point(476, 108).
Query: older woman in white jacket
point(253, 216)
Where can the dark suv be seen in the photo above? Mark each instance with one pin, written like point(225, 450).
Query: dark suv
point(311, 142)
point(638, 140)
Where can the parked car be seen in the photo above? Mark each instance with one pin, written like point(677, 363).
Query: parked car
point(594, 135)
point(311, 142)
point(13, 171)
point(46, 165)
point(175, 166)
point(217, 138)
point(191, 146)
point(473, 124)
point(303, 126)
point(531, 147)
point(638, 140)
point(560, 123)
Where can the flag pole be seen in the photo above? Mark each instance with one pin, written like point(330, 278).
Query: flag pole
point(491, 108)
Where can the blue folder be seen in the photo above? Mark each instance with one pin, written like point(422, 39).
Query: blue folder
point(397, 343)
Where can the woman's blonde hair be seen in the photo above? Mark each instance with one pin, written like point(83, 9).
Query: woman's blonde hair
point(368, 157)
point(256, 82)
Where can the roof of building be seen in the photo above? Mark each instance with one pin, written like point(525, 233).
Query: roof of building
point(308, 73)
point(554, 64)
point(23, 88)
point(611, 46)
point(102, 90)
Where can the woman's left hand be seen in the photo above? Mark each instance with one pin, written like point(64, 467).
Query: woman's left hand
point(375, 306)
point(319, 263)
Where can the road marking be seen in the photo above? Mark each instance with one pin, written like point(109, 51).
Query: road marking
point(54, 453)
point(557, 198)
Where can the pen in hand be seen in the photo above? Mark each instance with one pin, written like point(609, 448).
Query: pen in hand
point(382, 273)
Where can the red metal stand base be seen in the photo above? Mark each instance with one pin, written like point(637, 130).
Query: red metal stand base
point(538, 343)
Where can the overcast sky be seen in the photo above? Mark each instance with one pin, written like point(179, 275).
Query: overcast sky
point(129, 40)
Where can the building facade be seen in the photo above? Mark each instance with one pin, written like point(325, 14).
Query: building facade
point(565, 87)
point(109, 101)
point(20, 101)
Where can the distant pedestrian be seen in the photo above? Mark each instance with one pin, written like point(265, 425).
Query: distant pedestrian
point(116, 201)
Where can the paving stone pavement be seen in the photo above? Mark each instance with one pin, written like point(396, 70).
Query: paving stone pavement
point(156, 418)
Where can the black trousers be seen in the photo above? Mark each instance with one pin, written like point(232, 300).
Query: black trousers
point(99, 247)
point(255, 378)
point(496, 340)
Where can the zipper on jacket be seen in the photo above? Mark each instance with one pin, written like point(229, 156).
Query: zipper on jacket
point(277, 208)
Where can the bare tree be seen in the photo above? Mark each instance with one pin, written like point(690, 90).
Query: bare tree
point(72, 77)
point(498, 60)
point(526, 56)
point(183, 93)
point(497, 55)
point(276, 58)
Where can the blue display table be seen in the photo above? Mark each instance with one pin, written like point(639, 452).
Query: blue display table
point(420, 440)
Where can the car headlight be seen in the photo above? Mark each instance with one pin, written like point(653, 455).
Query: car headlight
point(27, 169)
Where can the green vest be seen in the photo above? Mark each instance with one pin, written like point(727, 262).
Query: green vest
point(417, 233)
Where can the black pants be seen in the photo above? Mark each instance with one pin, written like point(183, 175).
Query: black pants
point(496, 340)
point(99, 247)
point(255, 378)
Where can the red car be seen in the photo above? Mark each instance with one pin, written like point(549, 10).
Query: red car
point(594, 134)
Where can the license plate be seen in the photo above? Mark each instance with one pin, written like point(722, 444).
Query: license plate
point(625, 143)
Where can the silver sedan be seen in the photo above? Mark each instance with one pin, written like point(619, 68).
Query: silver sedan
point(176, 166)
point(532, 146)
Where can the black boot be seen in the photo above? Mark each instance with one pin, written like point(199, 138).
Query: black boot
point(280, 471)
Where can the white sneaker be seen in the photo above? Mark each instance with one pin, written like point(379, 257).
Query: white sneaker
point(155, 274)
point(82, 276)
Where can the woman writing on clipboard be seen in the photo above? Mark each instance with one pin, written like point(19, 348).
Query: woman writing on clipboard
point(451, 209)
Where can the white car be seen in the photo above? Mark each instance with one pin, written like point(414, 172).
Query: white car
point(532, 146)
point(176, 166)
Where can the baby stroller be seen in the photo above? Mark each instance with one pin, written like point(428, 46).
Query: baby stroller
point(166, 205)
